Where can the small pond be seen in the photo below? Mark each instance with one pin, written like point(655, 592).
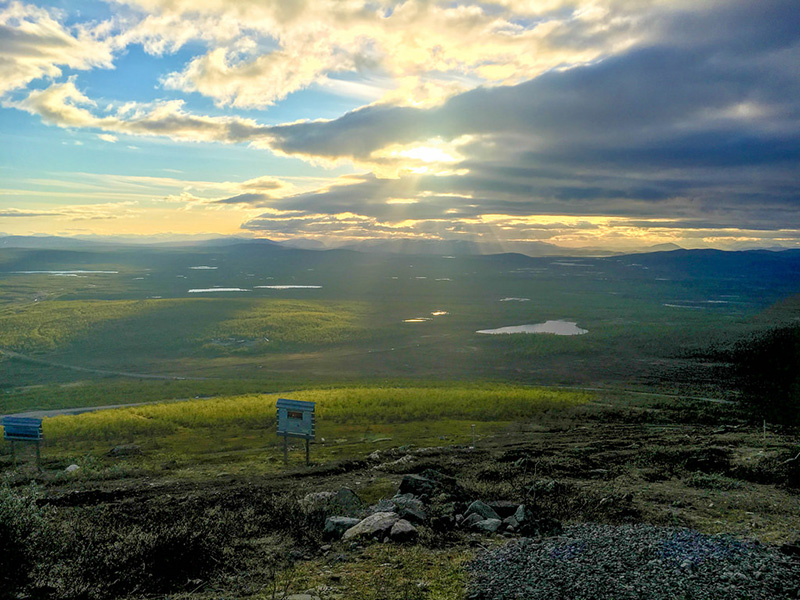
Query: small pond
point(554, 327)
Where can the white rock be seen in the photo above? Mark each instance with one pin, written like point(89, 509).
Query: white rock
point(374, 526)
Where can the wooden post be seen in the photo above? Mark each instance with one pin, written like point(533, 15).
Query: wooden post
point(308, 452)
point(285, 449)
point(38, 457)
point(14, 453)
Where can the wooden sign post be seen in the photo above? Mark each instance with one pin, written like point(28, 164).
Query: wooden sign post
point(296, 418)
point(23, 429)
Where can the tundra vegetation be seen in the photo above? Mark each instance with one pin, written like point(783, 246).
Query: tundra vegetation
point(657, 415)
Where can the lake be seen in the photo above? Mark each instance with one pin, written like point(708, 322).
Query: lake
point(554, 327)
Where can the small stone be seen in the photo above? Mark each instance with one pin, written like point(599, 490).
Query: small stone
point(72, 469)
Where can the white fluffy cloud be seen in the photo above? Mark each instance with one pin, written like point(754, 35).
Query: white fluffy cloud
point(259, 52)
point(63, 104)
point(34, 44)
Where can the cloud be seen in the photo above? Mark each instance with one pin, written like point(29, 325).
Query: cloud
point(34, 44)
point(693, 125)
point(77, 212)
point(259, 52)
point(25, 213)
point(107, 137)
point(64, 105)
point(601, 117)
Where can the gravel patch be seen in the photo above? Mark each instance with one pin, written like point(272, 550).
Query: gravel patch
point(633, 562)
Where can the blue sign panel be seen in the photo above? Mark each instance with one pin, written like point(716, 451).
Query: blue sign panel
point(22, 429)
point(296, 418)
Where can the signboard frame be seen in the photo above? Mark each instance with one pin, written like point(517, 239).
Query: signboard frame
point(296, 418)
point(23, 429)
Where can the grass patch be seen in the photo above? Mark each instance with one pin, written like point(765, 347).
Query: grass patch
point(47, 325)
point(713, 481)
point(386, 572)
point(291, 321)
point(240, 430)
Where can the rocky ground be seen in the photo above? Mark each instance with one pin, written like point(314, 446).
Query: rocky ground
point(634, 561)
point(551, 510)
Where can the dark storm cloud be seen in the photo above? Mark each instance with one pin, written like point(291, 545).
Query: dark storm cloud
point(703, 123)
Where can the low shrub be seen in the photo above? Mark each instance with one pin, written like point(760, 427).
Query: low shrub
point(22, 536)
point(782, 469)
point(97, 555)
point(766, 369)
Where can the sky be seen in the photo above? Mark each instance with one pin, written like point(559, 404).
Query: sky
point(610, 124)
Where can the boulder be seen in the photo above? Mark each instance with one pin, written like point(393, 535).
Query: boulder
point(488, 525)
point(446, 484)
point(482, 509)
point(403, 532)
point(72, 469)
point(511, 522)
point(377, 526)
point(432, 483)
point(417, 485)
point(523, 515)
point(335, 527)
point(471, 520)
point(346, 502)
point(413, 515)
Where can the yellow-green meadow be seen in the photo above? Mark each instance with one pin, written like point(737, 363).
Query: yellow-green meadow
point(242, 428)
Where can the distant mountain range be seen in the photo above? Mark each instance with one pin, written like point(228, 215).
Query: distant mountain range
point(393, 246)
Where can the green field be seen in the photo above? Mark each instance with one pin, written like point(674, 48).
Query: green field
point(239, 431)
point(83, 328)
